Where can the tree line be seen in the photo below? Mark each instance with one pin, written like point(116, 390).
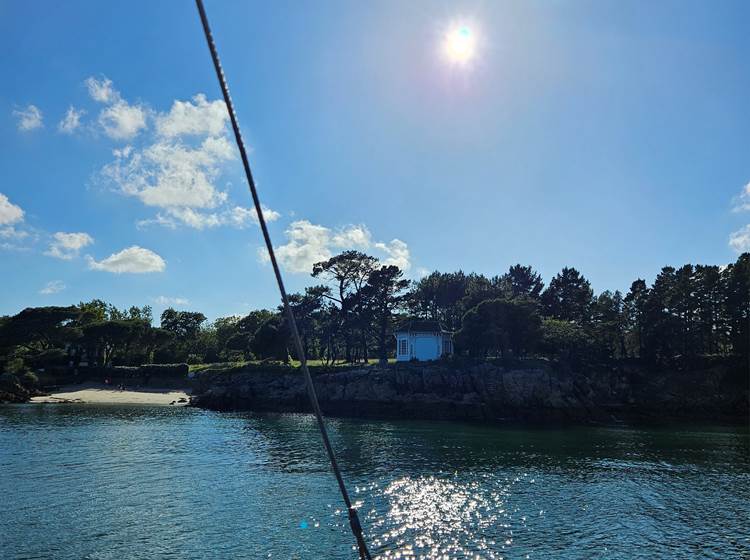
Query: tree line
point(349, 317)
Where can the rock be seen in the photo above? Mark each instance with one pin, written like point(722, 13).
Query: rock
point(485, 391)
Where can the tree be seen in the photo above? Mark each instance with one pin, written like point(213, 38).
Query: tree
point(185, 327)
point(182, 324)
point(499, 326)
point(662, 339)
point(106, 338)
point(271, 340)
point(736, 278)
point(480, 288)
point(567, 342)
point(238, 340)
point(381, 296)
point(609, 325)
point(39, 328)
point(93, 311)
point(569, 297)
point(634, 308)
point(523, 282)
point(438, 297)
point(349, 272)
point(711, 326)
point(154, 339)
point(144, 313)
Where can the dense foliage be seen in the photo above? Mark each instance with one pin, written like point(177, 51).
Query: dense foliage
point(686, 313)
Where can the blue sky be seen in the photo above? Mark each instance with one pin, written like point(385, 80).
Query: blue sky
point(611, 136)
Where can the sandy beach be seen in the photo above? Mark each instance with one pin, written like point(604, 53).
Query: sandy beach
point(106, 394)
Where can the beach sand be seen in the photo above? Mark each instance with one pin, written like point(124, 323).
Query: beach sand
point(97, 393)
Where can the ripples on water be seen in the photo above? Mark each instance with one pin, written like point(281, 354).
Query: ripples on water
point(156, 482)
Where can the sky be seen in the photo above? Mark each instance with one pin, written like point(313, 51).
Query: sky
point(610, 136)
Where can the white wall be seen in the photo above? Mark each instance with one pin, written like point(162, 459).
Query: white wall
point(422, 346)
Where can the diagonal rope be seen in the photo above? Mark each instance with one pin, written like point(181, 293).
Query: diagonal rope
point(364, 554)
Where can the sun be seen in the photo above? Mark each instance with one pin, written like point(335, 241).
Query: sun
point(459, 44)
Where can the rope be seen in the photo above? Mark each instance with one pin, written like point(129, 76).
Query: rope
point(364, 554)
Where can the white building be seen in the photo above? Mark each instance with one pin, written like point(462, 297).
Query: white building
point(422, 341)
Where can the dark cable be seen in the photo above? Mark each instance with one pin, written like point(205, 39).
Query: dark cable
point(364, 554)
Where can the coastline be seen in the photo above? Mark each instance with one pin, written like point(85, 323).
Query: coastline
point(526, 392)
point(99, 393)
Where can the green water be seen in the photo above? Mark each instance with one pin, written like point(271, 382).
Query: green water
point(114, 482)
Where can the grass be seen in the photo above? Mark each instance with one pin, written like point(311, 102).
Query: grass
point(313, 364)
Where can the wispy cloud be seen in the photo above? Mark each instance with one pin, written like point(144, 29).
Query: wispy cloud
point(71, 121)
point(102, 90)
point(29, 118)
point(740, 239)
point(67, 246)
point(171, 301)
point(52, 287)
point(133, 260)
point(741, 202)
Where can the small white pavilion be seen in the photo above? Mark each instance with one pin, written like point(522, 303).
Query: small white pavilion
point(422, 341)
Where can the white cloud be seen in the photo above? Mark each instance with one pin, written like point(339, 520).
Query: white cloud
point(397, 253)
point(171, 175)
point(741, 202)
point(71, 121)
point(740, 239)
point(176, 171)
point(29, 118)
point(200, 117)
point(102, 90)
point(119, 119)
point(12, 233)
point(180, 180)
point(310, 243)
point(52, 287)
point(240, 217)
point(133, 260)
point(171, 301)
point(9, 212)
point(352, 237)
point(122, 121)
point(10, 217)
point(68, 245)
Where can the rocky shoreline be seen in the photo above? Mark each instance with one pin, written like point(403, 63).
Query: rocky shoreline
point(489, 392)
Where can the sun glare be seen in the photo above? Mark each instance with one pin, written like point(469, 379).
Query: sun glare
point(460, 44)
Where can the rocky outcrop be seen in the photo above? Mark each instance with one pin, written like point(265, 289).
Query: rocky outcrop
point(13, 390)
point(487, 392)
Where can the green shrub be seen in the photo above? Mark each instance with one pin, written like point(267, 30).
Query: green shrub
point(16, 366)
point(194, 359)
point(29, 379)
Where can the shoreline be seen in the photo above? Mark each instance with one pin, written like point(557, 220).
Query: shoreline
point(100, 393)
point(532, 393)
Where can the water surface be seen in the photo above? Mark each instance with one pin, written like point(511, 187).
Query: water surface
point(122, 482)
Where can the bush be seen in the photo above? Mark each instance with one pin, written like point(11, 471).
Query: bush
point(29, 379)
point(167, 370)
point(194, 359)
point(16, 366)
